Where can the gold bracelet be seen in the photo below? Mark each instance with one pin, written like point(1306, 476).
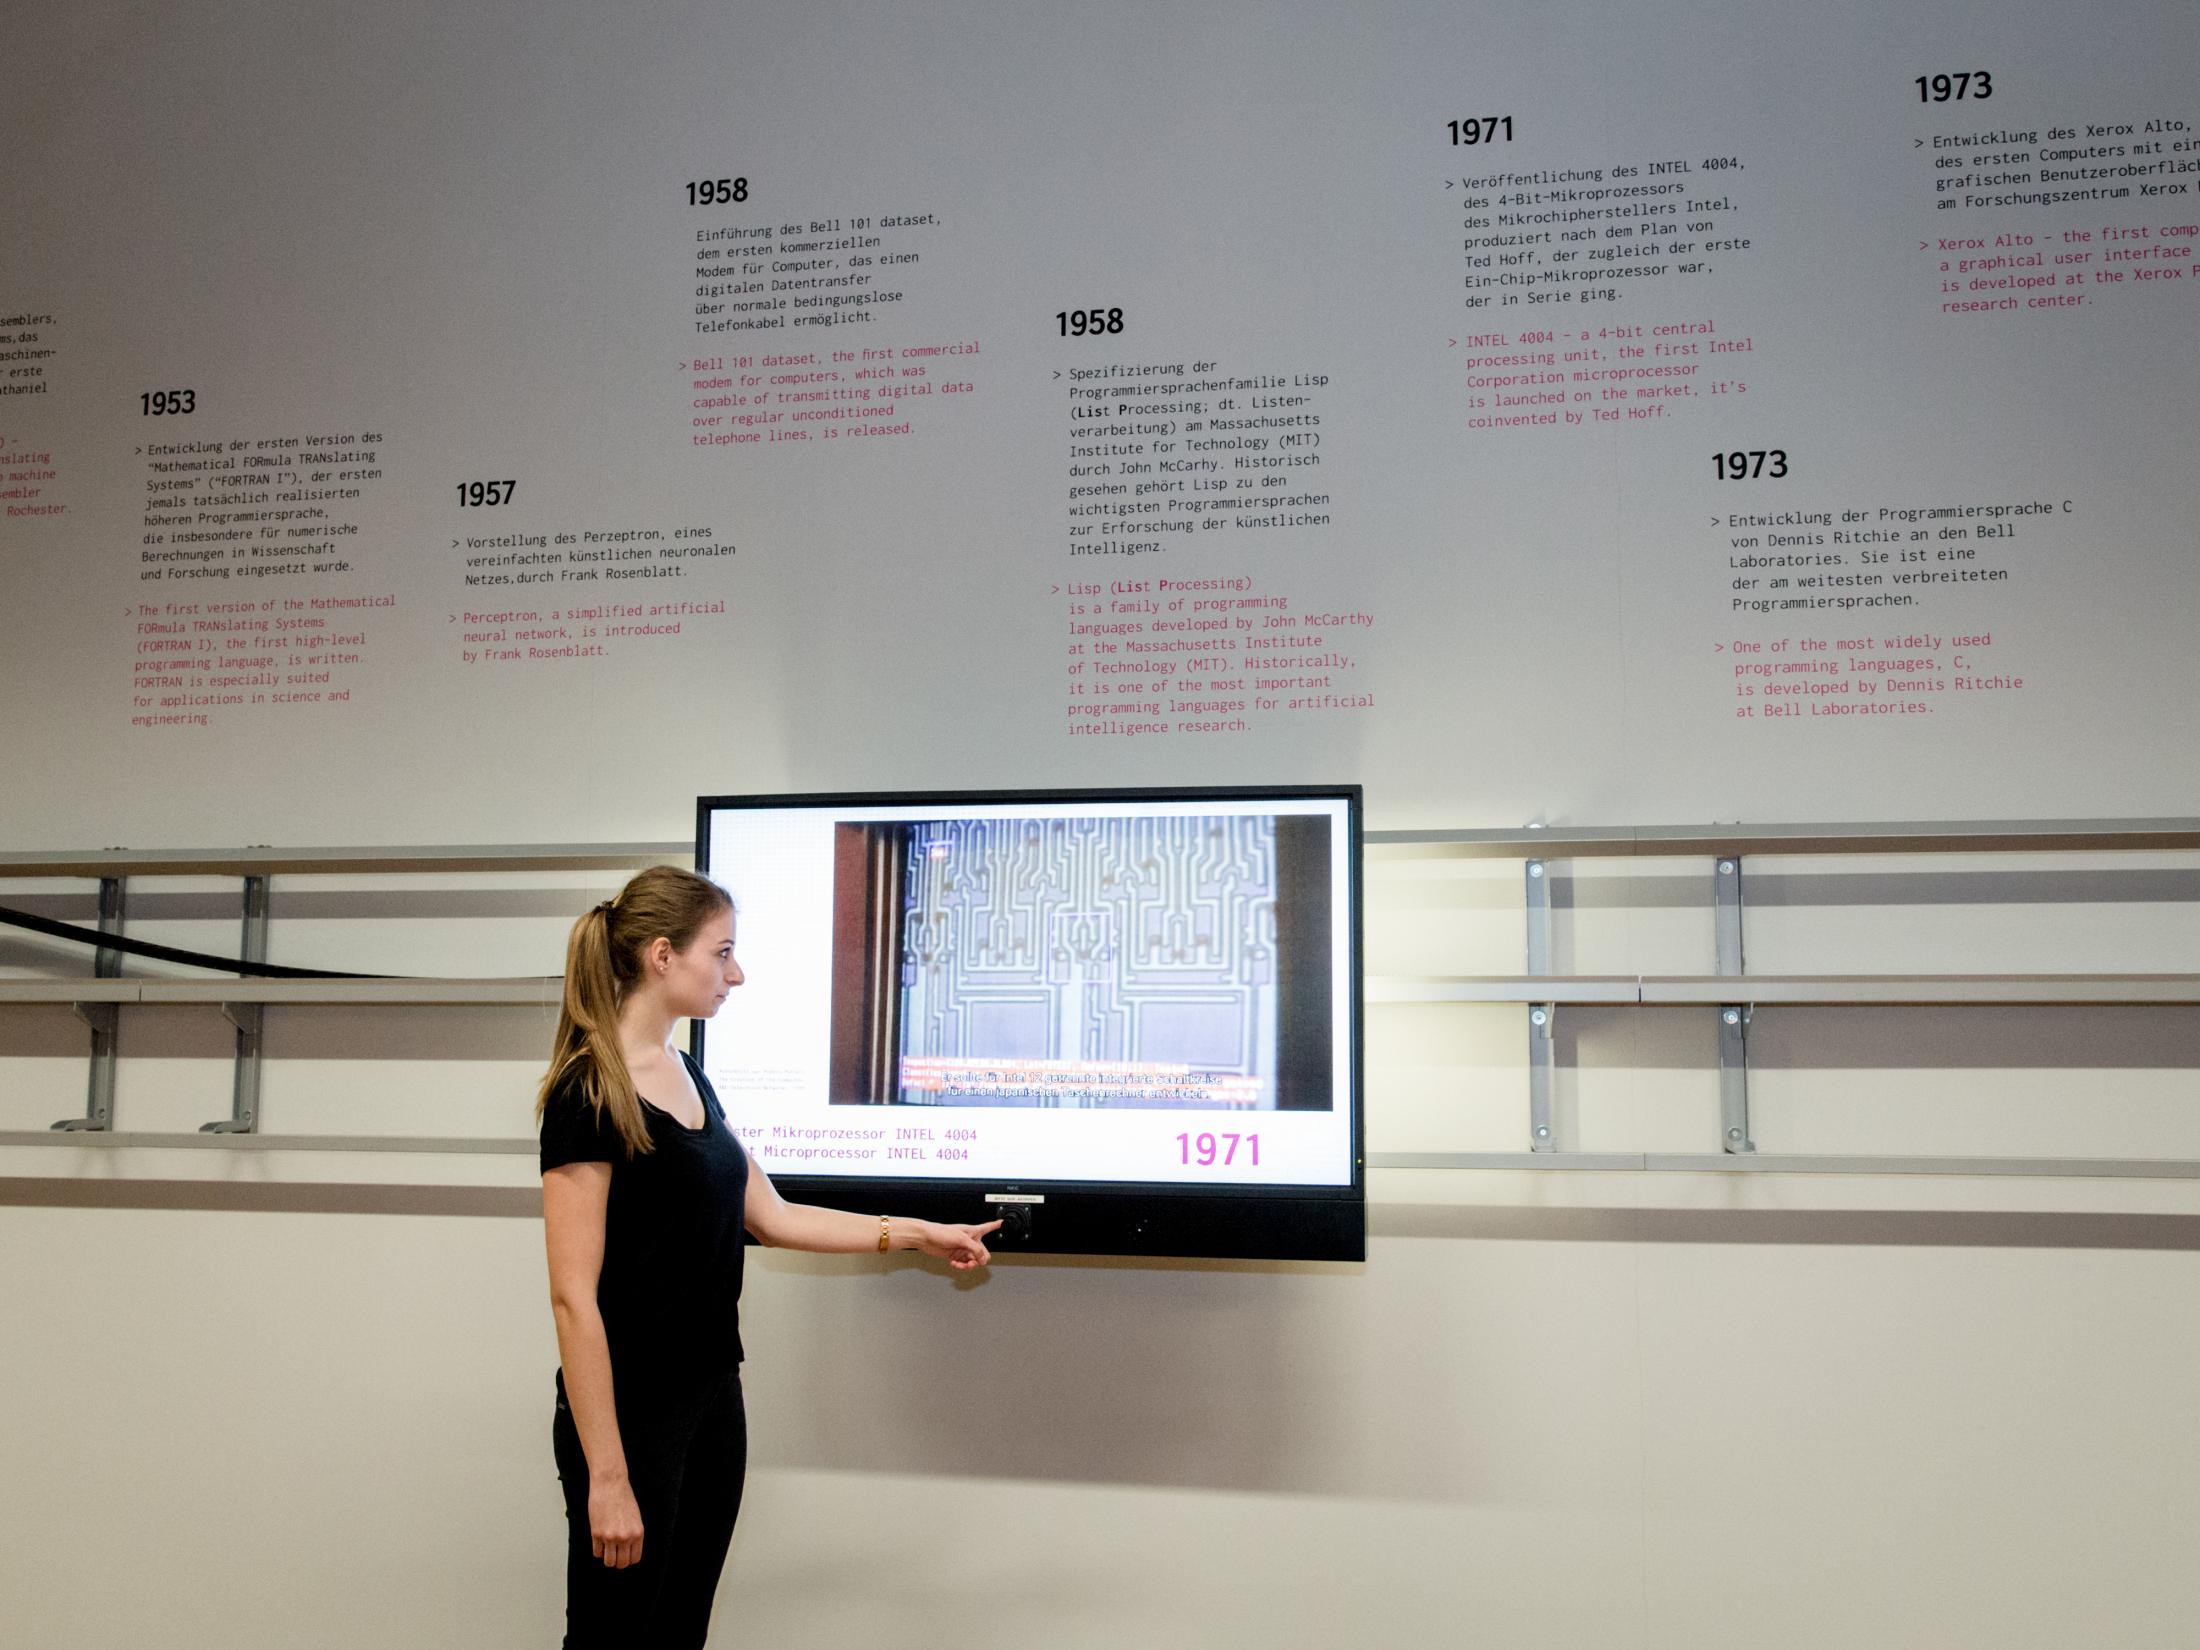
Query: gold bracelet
point(884, 1231)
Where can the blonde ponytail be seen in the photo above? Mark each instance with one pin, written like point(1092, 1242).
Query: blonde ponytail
point(602, 963)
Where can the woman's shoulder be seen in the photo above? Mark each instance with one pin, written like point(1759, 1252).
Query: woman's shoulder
point(567, 1087)
point(574, 1128)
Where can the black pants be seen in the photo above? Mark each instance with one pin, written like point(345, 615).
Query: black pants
point(686, 1454)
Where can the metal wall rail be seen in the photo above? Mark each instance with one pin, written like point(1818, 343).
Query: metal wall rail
point(1574, 990)
point(2065, 1168)
point(1548, 842)
point(1729, 990)
point(1702, 841)
point(527, 991)
point(1791, 990)
point(237, 1140)
point(2079, 1168)
point(293, 862)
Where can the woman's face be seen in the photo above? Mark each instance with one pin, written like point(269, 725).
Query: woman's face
point(697, 979)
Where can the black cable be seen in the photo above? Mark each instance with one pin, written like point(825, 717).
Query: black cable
point(169, 953)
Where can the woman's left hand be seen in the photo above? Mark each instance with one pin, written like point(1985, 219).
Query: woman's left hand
point(962, 1247)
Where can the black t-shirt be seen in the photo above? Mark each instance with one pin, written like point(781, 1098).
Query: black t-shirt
point(671, 1281)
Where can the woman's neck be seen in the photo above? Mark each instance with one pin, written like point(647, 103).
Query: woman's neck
point(645, 1027)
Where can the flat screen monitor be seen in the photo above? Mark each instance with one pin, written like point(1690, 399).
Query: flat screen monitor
point(1123, 1022)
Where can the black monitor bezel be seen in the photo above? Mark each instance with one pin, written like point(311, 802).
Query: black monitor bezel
point(1115, 1217)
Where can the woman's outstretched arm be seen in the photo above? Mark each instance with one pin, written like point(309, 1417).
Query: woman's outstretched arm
point(772, 1220)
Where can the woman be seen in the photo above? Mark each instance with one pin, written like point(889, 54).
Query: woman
point(645, 1194)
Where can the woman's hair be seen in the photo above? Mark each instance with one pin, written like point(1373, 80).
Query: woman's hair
point(603, 960)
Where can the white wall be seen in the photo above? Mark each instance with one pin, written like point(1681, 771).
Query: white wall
point(1513, 1426)
point(278, 1397)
